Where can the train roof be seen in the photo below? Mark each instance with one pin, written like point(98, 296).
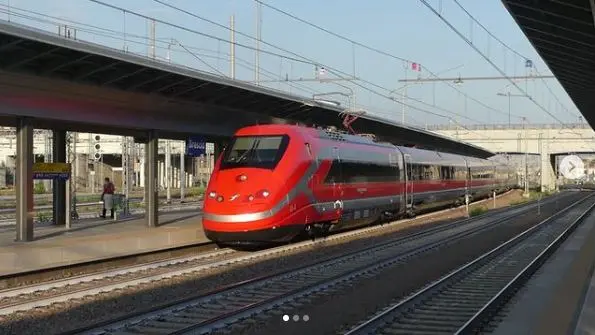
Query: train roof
point(421, 156)
point(336, 135)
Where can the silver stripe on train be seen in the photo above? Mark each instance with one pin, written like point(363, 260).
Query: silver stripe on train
point(352, 204)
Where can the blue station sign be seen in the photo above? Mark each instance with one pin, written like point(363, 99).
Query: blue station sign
point(196, 146)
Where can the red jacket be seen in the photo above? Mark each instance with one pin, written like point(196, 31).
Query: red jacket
point(109, 188)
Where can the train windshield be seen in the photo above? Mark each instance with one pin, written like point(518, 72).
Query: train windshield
point(255, 151)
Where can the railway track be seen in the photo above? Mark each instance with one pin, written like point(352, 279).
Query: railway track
point(55, 279)
point(465, 300)
point(46, 293)
point(42, 275)
point(234, 303)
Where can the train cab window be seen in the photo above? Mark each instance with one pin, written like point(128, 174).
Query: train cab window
point(255, 151)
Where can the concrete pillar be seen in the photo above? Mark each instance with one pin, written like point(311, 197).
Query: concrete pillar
point(24, 180)
point(548, 176)
point(151, 191)
point(161, 174)
point(59, 189)
point(142, 173)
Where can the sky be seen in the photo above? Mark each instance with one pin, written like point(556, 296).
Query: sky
point(406, 31)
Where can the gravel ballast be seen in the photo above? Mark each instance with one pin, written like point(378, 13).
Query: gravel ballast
point(73, 314)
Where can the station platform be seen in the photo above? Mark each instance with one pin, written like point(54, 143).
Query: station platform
point(96, 239)
point(560, 296)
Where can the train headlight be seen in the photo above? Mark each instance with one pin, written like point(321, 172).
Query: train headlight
point(220, 198)
point(212, 194)
point(250, 197)
point(263, 194)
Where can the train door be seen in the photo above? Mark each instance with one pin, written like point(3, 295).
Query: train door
point(337, 188)
point(408, 184)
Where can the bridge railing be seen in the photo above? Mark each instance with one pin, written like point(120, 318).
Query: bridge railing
point(510, 126)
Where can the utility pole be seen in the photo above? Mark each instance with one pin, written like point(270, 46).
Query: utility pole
point(72, 212)
point(68, 200)
point(509, 123)
point(258, 36)
point(232, 58)
point(403, 95)
point(123, 147)
point(47, 157)
point(168, 170)
point(526, 194)
point(152, 39)
point(126, 171)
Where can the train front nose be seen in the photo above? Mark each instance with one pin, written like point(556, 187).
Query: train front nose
point(237, 196)
point(242, 208)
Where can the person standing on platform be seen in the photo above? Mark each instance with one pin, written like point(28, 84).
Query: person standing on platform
point(108, 197)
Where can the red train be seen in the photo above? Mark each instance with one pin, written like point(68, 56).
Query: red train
point(274, 182)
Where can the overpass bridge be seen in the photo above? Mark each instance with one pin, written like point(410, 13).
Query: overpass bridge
point(545, 143)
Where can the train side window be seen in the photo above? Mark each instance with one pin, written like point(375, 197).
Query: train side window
point(445, 172)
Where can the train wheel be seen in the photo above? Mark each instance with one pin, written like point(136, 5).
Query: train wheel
point(311, 232)
point(326, 229)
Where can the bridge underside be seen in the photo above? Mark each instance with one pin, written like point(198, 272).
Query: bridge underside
point(563, 33)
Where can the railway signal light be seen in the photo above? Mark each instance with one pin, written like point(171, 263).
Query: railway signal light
point(97, 148)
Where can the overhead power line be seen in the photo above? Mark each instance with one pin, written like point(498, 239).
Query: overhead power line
point(330, 69)
point(513, 51)
point(486, 58)
point(382, 52)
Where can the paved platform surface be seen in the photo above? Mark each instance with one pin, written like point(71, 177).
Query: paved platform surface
point(556, 300)
point(586, 318)
point(95, 239)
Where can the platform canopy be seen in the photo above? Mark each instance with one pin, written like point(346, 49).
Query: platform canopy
point(563, 33)
point(62, 81)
